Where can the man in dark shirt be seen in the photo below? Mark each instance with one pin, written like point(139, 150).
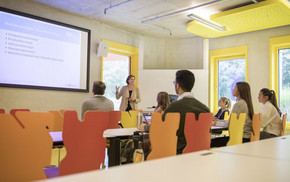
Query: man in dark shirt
point(186, 103)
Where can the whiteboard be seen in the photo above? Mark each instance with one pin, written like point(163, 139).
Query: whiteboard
point(150, 82)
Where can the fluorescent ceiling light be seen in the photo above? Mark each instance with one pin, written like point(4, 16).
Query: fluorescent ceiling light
point(201, 20)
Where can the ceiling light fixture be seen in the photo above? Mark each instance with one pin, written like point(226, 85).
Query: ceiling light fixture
point(206, 22)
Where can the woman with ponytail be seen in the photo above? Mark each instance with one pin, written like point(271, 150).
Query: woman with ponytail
point(225, 105)
point(271, 122)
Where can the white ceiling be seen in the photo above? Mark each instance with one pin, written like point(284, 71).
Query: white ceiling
point(129, 14)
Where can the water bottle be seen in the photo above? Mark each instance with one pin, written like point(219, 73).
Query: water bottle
point(139, 118)
point(139, 153)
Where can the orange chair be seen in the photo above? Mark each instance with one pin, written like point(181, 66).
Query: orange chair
point(2, 111)
point(24, 152)
point(58, 121)
point(284, 118)
point(84, 141)
point(162, 135)
point(236, 129)
point(13, 111)
point(62, 112)
point(256, 125)
point(197, 132)
point(115, 117)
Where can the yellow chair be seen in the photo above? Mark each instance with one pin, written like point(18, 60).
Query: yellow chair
point(227, 115)
point(284, 118)
point(256, 125)
point(236, 129)
point(162, 135)
point(129, 119)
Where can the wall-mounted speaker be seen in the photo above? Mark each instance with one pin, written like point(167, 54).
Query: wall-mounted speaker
point(103, 49)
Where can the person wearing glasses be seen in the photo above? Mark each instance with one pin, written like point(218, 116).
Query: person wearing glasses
point(186, 103)
point(130, 95)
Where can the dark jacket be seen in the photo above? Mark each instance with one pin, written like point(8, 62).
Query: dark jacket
point(183, 106)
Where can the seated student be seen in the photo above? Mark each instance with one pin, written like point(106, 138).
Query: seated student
point(183, 84)
point(243, 105)
point(98, 101)
point(271, 114)
point(162, 102)
point(225, 105)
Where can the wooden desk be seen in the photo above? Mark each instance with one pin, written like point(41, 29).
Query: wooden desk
point(275, 148)
point(198, 166)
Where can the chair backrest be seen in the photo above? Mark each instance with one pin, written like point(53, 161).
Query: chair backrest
point(197, 132)
point(2, 111)
point(162, 135)
point(62, 112)
point(129, 119)
point(284, 118)
point(58, 121)
point(84, 141)
point(227, 115)
point(256, 125)
point(115, 117)
point(13, 113)
point(236, 128)
point(24, 152)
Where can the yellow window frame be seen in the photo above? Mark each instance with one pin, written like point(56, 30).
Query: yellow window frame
point(132, 52)
point(276, 44)
point(215, 57)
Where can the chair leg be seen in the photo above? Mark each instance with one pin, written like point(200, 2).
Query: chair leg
point(59, 156)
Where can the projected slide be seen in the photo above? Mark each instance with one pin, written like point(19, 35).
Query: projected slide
point(38, 53)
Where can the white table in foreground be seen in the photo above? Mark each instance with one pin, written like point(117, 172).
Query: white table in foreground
point(275, 148)
point(198, 166)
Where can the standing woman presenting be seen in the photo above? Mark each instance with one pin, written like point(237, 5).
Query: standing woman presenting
point(130, 95)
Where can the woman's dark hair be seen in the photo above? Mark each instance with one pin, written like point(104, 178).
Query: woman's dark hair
point(245, 94)
point(271, 97)
point(99, 88)
point(185, 79)
point(129, 77)
point(162, 100)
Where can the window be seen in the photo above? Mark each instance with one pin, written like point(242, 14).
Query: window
point(121, 61)
point(227, 66)
point(284, 80)
point(279, 72)
point(230, 71)
point(116, 69)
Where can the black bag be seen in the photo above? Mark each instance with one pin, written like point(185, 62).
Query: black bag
point(128, 146)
